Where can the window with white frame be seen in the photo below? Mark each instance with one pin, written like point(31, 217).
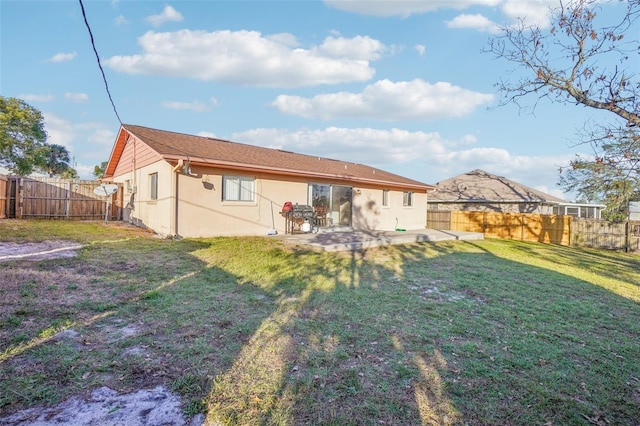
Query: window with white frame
point(407, 199)
point(153, 186)
point(238, 188)
point(385, 197)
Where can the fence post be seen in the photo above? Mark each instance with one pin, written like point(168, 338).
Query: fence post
point(68, 200)
point(627, 237)
point(20, 198)
point(484, 222)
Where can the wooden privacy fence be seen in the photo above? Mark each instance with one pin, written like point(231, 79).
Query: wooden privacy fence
point(555, 229)
point(51, 198)
point(602, 234)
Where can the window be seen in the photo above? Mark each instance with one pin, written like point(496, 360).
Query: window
point(407, 199)
point(385, 197)
point(238, 188)
point(153, 186)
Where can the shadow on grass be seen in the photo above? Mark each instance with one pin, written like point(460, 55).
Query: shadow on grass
point(253, 332)
point(430, 334)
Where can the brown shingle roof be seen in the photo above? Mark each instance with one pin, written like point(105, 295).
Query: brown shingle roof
point(216, 152)
point(480, 186)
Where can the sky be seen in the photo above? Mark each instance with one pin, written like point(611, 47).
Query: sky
point(405, 86)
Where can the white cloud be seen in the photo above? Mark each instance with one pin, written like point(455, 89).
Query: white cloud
point(77, 97)
point(249, 58)
point(89, 143)
point(555, 191)
point(359, 47)
point(386, 100)
point(533, 12)
point(60, 131)
point(362, 145)
point(196, 106)
point(477, 22)
point(85, 171)
point(424, 156)
point(421, 49)
point(120, 20)
point(207, 134)
point(100, 136)
point(284, 39)
point(27, 97)
point(169, 14)
point(63, 57)
point(404, 7)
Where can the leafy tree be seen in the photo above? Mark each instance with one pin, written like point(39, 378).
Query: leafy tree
point(23, 139)
point(98, 171)
point(69, 173)
point(612, 178)
point(584, 61)
point(56, 161)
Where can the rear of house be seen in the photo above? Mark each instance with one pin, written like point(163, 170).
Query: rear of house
point(192, 186)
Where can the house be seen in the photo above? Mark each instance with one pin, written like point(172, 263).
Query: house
point(478, 190)
point(194, 186)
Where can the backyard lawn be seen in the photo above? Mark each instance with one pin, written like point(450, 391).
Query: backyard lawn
point(250, 331)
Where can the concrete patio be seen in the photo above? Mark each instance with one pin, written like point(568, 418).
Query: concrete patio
point(343, 239)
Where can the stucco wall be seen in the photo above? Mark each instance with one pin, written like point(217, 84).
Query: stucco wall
point(201, 212)
point(369, 213)
point(139, 208)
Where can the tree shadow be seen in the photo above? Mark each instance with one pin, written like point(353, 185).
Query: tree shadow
point(408, 339)
point(425, 334)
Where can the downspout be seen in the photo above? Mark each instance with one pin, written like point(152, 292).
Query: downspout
point(176, 172)
point(134, 182)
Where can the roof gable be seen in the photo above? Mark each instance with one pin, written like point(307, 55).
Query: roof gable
point(207, 151)
point(480, 186)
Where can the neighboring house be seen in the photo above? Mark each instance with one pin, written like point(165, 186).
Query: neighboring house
point(193, 186)
point(478, 190)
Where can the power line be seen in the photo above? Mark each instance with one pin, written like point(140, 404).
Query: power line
point(104, 78)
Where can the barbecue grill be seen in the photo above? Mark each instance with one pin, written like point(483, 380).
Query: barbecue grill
point(297, 217)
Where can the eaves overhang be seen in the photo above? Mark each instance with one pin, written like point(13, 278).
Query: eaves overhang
point(296, 173)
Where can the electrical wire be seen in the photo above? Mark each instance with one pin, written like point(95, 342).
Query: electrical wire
point(104, 78)
point(106, 85)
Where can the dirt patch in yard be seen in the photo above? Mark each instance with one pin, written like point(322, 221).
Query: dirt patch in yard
point(145, 407)
point(65, 291)
point(38, 251)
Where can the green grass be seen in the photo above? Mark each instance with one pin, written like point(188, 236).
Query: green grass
point(250, 331)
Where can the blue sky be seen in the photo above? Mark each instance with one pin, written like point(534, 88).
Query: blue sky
point(399, 85)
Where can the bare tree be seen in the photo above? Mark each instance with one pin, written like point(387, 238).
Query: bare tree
point(567, 62)
point(589, 60)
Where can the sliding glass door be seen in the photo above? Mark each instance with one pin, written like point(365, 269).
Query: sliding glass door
point(335, 200)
